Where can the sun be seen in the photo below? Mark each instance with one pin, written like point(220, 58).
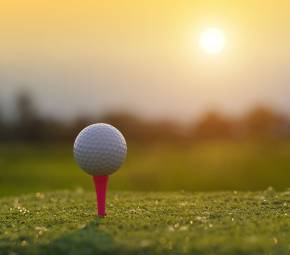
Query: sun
point(212, 40)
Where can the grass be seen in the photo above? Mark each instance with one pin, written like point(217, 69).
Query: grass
point(212, 165)
point(147, 223)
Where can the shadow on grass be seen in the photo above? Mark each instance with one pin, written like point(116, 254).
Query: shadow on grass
point(86, 241)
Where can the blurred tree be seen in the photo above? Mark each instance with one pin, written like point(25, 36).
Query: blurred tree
point(260, 122)
point(78, 124)
point(146, 131)
point(2, 126)
point(29, 126)
point(264, 122)
point(132, 127)
point(25, 108)
point(1, 116)
point(213, 126)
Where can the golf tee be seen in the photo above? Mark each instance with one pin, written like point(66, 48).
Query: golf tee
point(101, 183)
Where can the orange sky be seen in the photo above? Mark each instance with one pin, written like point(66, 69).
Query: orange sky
point(104, 55)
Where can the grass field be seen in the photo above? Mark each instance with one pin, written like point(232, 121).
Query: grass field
point(147, 223)
point(215, 165)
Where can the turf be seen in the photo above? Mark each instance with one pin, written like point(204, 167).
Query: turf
point(200, 166)
point(147, 223)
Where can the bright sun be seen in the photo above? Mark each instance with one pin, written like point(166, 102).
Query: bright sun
point(212, 40)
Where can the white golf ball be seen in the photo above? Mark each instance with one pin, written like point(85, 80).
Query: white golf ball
point(100, 149)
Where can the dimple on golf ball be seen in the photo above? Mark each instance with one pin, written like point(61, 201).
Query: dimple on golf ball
point(100, 149)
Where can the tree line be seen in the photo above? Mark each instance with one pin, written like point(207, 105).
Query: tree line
point(259, 123)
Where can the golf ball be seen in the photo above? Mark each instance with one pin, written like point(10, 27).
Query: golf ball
point(100, 149)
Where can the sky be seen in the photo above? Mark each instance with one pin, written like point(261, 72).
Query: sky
point(90, 57)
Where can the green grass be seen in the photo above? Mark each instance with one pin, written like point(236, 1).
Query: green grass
point(213, 165)
point(147, 223)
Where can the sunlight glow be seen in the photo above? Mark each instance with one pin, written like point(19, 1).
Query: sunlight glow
point(212, 40)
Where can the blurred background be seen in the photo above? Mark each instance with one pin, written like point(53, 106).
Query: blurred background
point(193, 120)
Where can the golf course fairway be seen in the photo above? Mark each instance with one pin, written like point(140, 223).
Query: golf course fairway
point(64, 222)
